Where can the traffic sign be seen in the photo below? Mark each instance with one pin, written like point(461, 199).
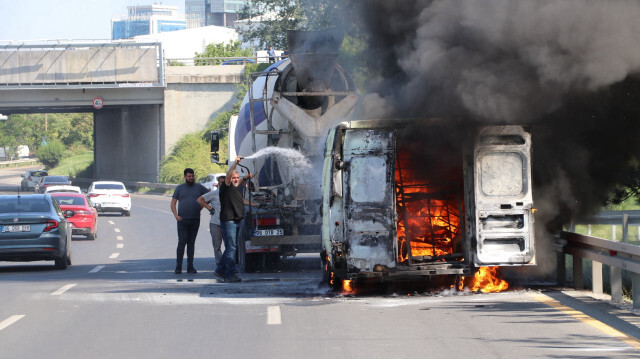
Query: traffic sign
point(98, 102)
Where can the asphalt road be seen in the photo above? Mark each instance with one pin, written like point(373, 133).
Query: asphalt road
point(121, 299)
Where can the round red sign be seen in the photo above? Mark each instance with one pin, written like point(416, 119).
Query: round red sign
point(98, 102)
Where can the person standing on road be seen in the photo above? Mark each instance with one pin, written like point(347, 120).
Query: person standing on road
point(188, 216)
point(211, 201)
point(272, 55)
point(231, 219)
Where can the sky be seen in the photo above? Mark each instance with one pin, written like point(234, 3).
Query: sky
point(65, 19)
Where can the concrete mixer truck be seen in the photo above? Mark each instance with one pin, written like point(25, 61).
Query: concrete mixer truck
point(283, 120)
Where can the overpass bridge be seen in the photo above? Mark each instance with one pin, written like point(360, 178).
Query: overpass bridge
point(141, 107)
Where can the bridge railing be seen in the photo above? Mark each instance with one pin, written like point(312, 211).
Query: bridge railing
point(618, 256)
point(81, 65)
point(214, 61)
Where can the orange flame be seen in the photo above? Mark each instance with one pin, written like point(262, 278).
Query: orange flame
point(431, 219)
point(346, 287)
point(486, 280)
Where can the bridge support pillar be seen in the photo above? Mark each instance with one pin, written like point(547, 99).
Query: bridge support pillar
point(128, 143)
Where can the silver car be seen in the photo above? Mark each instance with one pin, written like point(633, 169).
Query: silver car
point(30, 178)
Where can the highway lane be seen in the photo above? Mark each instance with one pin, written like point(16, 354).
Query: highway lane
point(133, 305)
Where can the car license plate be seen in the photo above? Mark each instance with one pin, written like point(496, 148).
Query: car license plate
point(17, 228)
point(269, 232)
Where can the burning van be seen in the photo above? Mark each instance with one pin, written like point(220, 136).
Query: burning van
point(405, 198)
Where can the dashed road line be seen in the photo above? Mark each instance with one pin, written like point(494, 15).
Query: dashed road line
point(117, 230)
point(114, 255)
point(12, 319)
point(112, 222)
point(64, 289)
point(96, 269)
point(273, 315)
point(119, 238)
point(119, 245)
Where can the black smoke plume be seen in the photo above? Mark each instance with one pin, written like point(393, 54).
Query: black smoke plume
point(569, 69)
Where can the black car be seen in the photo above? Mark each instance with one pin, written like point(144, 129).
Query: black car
point(34, 228)
point(46, 181)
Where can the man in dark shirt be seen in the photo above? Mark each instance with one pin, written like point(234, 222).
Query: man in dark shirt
point(188, 216)
point(231, 220)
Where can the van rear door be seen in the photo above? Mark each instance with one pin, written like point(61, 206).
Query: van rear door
point(502, 197)
point(368, 183)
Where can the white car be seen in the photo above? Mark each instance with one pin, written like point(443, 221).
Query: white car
point(211, 181)
point(63, 188)
point(110, 196)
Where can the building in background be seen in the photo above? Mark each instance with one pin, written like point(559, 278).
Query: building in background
point(145, 20)
point(212, 12)
point(184, 44)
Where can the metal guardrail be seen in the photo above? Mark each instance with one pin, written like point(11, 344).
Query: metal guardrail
point(618, 255)
point(85, 182)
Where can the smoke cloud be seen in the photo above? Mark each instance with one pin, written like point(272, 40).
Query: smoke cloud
point(567, 68)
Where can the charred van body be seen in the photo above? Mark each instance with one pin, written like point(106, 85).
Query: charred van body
point(402, 198)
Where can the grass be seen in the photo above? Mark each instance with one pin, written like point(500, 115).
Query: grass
point(74, 164)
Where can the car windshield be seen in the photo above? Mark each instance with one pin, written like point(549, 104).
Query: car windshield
point(55, 179)
point(108, 186)
point(23, 204)
point(39, 173)
point(69, 200)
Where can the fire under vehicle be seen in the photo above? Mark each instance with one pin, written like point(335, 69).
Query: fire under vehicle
point(408, 198)
point(289, 106)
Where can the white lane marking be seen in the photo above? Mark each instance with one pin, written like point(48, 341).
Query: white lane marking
point(273, 315)
point(64, 289)
point(112, 222)
point(96, 269)
point(119, 238)
point(119, 245)
point(117, 230)
point(157, 210)
point(12, 319)
point(114, 255)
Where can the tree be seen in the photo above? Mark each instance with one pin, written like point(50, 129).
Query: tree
point(51, 153)
point(13, 132)
point(272, 19)
point(231, 49)
point(269, 20)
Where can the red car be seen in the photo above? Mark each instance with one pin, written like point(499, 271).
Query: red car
point(85, 219)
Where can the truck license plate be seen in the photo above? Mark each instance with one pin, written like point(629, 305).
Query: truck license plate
point(269, 232)
point(17, 228)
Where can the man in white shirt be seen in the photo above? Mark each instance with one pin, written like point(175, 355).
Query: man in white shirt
point(211, 201)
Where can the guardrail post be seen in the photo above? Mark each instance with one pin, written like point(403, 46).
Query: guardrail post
point(561, 270)
point(635, 289)
point(578, 283)
point(625, 227)
point(596, 277)
point(616, 284)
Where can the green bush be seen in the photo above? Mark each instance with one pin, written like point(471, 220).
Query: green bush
point(190, 151)
point(51, 153)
